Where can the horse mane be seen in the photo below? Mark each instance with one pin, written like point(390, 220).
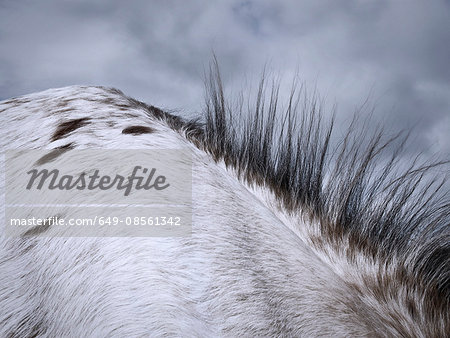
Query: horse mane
point(398, 217)
point(356, 191)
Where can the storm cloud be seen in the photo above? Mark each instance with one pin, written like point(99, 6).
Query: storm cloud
point(393, 53)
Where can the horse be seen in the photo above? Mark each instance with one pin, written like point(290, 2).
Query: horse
point(292, 234)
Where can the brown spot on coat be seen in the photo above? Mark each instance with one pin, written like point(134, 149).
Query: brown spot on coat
point(67, 127)
point(36, 230)
point(137, 130)
point(54, 154)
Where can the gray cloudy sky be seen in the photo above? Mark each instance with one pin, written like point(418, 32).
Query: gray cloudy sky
point(394, 52)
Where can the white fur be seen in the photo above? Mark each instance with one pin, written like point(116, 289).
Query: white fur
point(248, 269)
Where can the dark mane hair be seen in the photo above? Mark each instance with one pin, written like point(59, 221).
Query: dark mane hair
point(399, 218)
point(383, 211)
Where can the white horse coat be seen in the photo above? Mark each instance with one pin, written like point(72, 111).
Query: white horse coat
point(256, 263)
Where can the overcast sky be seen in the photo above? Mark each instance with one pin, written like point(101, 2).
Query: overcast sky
point(396, 53)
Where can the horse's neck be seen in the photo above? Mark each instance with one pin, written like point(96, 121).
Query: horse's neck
point(240, 230)
point(245, 254)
